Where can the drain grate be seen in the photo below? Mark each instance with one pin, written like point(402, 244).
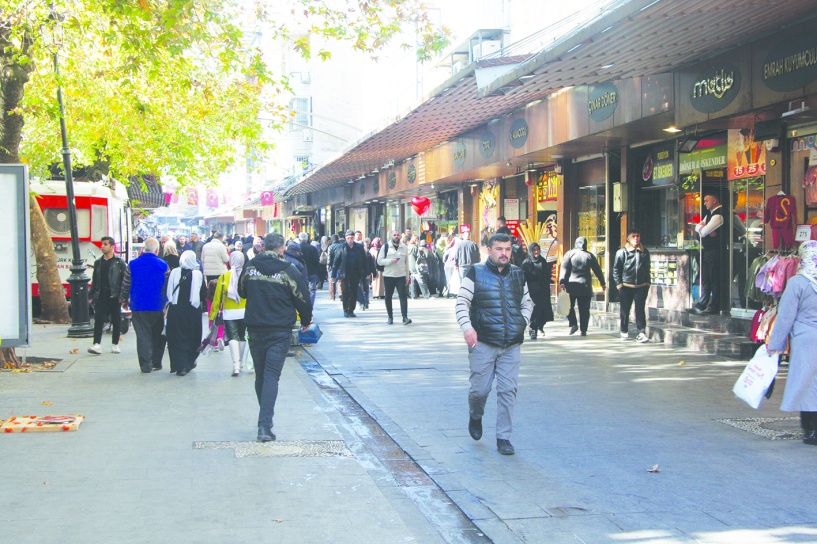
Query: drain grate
point(773, 428)
point(292, 448)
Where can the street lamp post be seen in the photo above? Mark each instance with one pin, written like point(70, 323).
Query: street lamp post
point(78, 280)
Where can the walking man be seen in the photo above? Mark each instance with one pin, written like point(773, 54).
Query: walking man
point(351, 265)
point(493, 310)
point(106, 284)
point(393, 257)
point(311, 257)
point(274, 290)
point(143, 290)
point(631, 274)
point(214, 257)
point(467, 255)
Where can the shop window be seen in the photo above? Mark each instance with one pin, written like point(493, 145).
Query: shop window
point(661, 227)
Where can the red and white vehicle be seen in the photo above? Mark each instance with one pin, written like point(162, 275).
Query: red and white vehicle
point(102, 210)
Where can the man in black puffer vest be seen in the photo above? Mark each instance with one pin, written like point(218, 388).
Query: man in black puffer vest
point(493, 311)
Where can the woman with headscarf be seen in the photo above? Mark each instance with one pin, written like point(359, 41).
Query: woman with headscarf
point(538, 274)
point(577, 265)
point(797, 322)
point(323, 259)
point(186, 291)
point(171, 255)
point(232, 306)
point(378, 285)
point(256, 249)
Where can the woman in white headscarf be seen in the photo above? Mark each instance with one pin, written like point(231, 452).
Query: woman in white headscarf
point(185, 291)
point(226, 298)
point(797, 322)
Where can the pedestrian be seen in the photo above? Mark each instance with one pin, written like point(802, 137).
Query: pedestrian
point(538, 274)
point(365, 285)
point(452, 280)
point(577, 265)
point(274, 291)
point(256, 249)
point(378, 285)
point(796, 318)
point(418, 267)
point(631, 275)
point(171, 255)
point(142, 292)
point(186, 292)
point(501, 226)
point(182, 245)
point(293, 254)
point(714, 259)
point(493, 309)
point(323, 259)
point(467, 255)
point(311, 257)
point(226, 300)
point(334, 248)
point(214, 257)
point(393, 257)
point(350, 265)
point(433, 276)
point(196, 245)
point(106, 285)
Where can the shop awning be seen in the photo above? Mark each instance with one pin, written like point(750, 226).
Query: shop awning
point(629, 38)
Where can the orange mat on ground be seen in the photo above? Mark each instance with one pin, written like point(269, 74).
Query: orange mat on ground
point(40, 424)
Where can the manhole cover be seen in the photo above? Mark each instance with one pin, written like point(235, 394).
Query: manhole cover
point(292, 448)
point(773, 428)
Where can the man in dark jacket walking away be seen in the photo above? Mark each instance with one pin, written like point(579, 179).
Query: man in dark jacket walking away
point(274, 290)
point(105, 286)
point(467, 254)
point(311, 257)
point(631, 275)
point(577, 265)
point(493, 310)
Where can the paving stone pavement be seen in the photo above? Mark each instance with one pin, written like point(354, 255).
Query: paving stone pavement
point(373, 446)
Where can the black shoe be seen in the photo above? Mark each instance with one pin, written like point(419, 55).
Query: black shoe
point(352, 314)
point(573, 329)
point(157, 367)
point(475, 428)
point(389, 321)
point(532, 333)
point(182, 372)
point(504, 447)
point(406, 321)
point(709, 311)
point(345, 314)
point(584, 333)
point(265, 435)
point(146, 371)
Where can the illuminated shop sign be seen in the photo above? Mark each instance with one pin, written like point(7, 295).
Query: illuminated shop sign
point(791, 65)
point(715, 88)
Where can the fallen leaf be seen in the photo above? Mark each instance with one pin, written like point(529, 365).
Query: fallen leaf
point(682, 363)
point(75, 351)
point(46, 403)
point(278, 520)
point(654, 469)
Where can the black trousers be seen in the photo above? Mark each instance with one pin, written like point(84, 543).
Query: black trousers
point(714, 280)
point(584, 312)
point(106, 308)
point(150, 342)
point(350, 283)
point(628, 295)
point(398, 283)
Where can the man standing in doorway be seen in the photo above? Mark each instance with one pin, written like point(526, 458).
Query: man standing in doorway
point(393, 257)
point(274, 290)
point(493, 310)
point(713, 258)
point(105, 286)
point(351, 265)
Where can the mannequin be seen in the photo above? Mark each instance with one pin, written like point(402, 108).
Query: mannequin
point(781, 215)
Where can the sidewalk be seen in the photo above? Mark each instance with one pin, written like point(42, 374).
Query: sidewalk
point(162, 458)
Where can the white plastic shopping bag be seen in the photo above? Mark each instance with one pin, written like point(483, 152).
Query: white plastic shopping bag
point(756, 377)
point(562, 303)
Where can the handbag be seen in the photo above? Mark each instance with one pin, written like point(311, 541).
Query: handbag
point(562, 303)
point(756, 377)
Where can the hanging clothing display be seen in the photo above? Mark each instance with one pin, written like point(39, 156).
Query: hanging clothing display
point(781, 216)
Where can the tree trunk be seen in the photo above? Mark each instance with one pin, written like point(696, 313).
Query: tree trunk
point(8, 358)
point(53, 306)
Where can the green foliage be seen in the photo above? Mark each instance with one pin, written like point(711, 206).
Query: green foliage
point(174, 87)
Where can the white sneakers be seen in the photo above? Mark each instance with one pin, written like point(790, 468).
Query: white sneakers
point(625, 336)
point(96, 349)
point(642, 338)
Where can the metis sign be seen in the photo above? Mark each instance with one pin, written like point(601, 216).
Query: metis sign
point(715, 88)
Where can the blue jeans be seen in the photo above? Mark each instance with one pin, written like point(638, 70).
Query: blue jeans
point(269, 350)
point(312, 279)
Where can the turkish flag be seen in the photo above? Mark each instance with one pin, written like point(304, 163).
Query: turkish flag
point(192, 197)
point(212, 198)
point(267, 198)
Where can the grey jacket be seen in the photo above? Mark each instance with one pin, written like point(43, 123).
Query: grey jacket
point(577, 265)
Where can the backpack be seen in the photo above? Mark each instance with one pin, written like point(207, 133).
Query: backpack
point(385, 252)
point(422, 263)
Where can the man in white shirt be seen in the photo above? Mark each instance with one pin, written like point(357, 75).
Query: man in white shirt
point(714, 294)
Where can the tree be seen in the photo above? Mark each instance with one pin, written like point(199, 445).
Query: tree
point(172, 87)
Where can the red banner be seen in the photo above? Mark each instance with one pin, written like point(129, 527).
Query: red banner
point(212, 198)
point(267, 198)
point(192, 197)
